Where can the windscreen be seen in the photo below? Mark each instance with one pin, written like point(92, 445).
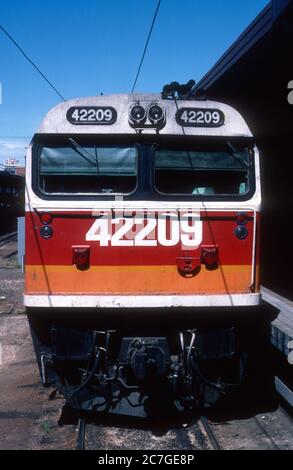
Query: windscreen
point(202, 171)
point(75, 168)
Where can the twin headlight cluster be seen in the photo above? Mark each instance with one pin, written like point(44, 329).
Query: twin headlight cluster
point(144, 115)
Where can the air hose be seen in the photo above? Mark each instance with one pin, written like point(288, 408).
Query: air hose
point(89, 377)
point(215, 385)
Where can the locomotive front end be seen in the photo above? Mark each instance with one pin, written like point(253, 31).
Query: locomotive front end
point(142, 227)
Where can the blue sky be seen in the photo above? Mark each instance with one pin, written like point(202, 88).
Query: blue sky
point(86, 47)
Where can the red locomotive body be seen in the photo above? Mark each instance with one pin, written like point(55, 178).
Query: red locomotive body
point(221, 270)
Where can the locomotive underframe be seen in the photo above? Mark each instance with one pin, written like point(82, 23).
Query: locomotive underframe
point(99, 363)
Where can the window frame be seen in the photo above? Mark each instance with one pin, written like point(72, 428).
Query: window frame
point(36, 153)
point(145, 188)
point(209, 197)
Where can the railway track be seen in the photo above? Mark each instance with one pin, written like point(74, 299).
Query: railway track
point(210, 433)
point(268, 431)
point(8, 248)
point(204, 438)
point(4, 239)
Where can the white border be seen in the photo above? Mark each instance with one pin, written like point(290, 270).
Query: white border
point(141, 301)
point(33, 202)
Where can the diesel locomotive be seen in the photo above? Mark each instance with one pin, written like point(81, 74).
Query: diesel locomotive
point(142, 253)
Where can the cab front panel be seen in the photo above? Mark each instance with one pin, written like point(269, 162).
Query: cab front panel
point(134, 203)
point(219, 262)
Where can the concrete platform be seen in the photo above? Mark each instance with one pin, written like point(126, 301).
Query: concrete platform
point(282, 339)
point(282, 326)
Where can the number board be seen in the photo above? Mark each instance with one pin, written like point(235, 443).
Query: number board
point(91, 115)
point(199, 117)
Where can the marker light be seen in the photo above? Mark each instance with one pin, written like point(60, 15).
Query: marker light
point(209, 255)
point(46, 218)
point(46, 231)
point(241, 232)
point(155, 114)
point(138, 114)
point(81, 257)
point(241, 218)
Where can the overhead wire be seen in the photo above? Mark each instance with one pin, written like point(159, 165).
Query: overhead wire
point(31, 61)
point(16, 44)
point(146, 45)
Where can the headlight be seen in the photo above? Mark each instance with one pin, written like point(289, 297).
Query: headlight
point(138, 114)
point(155, 114)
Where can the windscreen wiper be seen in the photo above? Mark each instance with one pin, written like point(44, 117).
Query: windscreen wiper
point(232, 152)
point(97, 161)
point(78, 149)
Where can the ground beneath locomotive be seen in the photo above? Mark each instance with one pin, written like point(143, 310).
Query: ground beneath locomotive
point(28, 419)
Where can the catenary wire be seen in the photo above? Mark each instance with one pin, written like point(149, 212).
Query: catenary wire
point(31, 62)
point(146, 45)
